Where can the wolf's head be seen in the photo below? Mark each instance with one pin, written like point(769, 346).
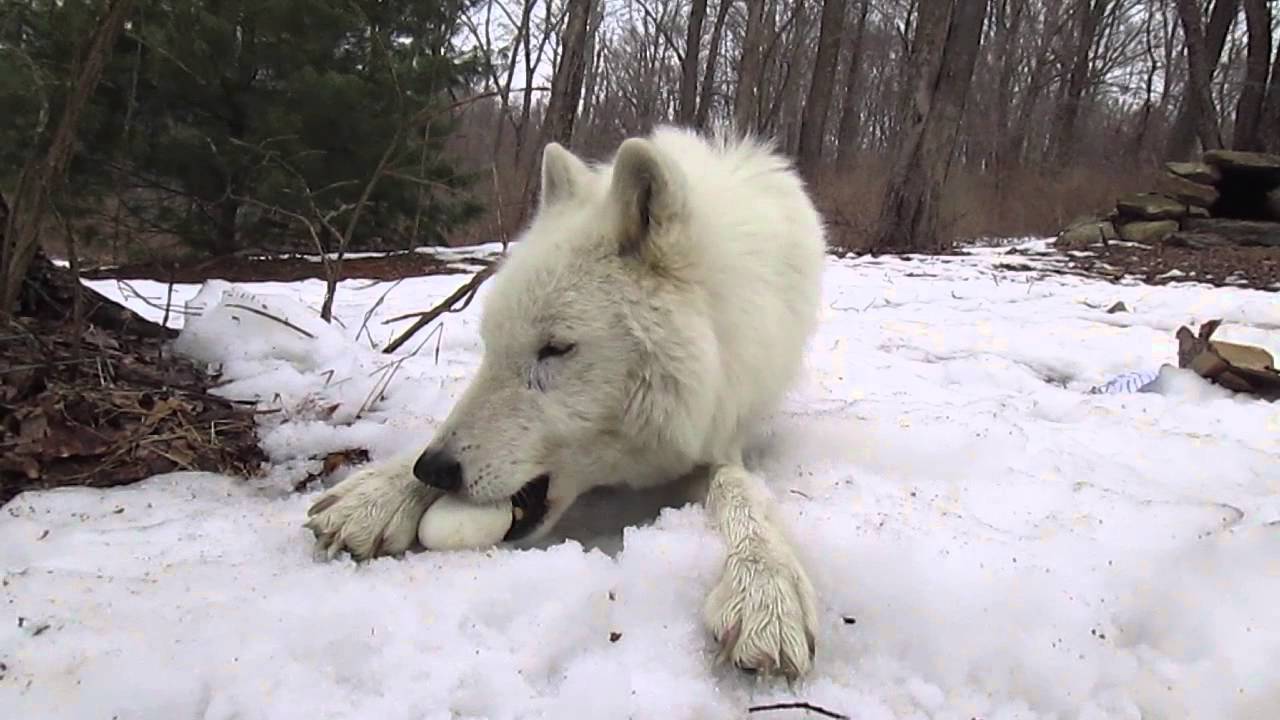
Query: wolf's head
point(598, 359)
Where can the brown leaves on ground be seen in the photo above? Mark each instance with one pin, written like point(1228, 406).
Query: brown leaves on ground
point(1252, 267)
point(108, 411)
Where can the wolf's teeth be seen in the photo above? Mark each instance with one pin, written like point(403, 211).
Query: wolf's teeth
point(517, 513)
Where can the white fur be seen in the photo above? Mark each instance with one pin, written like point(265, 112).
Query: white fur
point(685, 276)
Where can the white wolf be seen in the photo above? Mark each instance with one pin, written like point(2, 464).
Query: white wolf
point(656, 308)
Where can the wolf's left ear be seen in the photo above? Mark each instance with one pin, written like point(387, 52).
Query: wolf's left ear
point(648, 192)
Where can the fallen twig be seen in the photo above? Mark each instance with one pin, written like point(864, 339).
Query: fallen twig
point(364, 326)
point(121, 283)
point(464, 294)
point(798, 706)
point(269, 316)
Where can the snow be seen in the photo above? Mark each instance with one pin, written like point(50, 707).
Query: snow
point(986, 537)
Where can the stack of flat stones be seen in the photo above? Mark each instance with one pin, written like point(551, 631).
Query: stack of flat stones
point(1229, 198)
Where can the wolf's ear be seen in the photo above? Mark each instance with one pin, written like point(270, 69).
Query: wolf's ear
point(563, 175)
point(648, 192)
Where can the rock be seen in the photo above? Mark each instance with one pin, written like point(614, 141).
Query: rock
point(1260, 165)
point(1117, 308)
point(1237, 232)
point(1202, 173)
point(1245, 356)
point(1241, 368)
point(1148, 232)
point(1197, 212)
point(1082, 234)
point(1197, 240)
point(1191, 193)
point(1150, 206)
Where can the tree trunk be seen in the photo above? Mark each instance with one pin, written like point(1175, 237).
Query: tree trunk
point(713, 57)
point(566, 85)
point(1199, 77)
point(751, 68)
point(42, 178)
point(1064, 134)
point(848, 135)
point(1003, 149)
point(591, 71)
point(689, 66)
point(1183, 135)
point(813, 120)
point(566, 93)
point(224, 241)
point(1271, 109)
point(1253, 94)
point(944, 50)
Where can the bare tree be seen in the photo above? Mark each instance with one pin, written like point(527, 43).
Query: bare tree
point(1186, 127)
point(1199, 76)
point(713, 57)
point(750, 69)
point(43, 176)
point(1089, 16)
point(566, 87)
point(944, 50)
point(1246, 135)
point(847, 137)
point(566, 95)
point(813, 123)
point(689, 65)
point(1271, 109)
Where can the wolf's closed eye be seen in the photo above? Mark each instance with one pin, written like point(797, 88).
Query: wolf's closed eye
point(552, 349)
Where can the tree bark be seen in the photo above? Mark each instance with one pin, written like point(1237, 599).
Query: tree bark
point(850, 130)
point(713, 57)
point(688, 110)
point(1199, 77)
point(1249, 108)
point(1064, 134)
point(813, 120)
point(566, 84)
point(42, 178)
point(566, 94)
point(1271, 109)
point(751, 68)
point(944, 50)
point(1003, 148)
point(1185, 128)
point(591, 69)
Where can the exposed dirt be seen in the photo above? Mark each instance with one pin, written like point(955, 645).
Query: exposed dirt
point(1252, 267)
point(106, 404)
point(284, 269)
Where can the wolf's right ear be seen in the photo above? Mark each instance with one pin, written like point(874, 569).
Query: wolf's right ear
point(563, 175)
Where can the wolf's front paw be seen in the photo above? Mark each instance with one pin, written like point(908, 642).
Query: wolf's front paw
point(762, 613)
point(374, 512)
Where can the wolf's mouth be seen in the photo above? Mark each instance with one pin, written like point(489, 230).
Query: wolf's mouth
point(528, 507)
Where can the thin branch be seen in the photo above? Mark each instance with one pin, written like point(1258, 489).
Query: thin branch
point(465, 294)
point(427, 115)
point(798, 706)
point(269, 316)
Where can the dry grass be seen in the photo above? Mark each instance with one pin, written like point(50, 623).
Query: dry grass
point(1027, 202)
point(975, 204)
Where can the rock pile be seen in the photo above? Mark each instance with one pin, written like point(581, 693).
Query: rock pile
point(1229, 198)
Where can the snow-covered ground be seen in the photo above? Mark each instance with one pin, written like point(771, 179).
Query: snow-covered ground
point(988, 539)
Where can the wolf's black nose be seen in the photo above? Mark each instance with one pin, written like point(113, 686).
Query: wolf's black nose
point(438, 469)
